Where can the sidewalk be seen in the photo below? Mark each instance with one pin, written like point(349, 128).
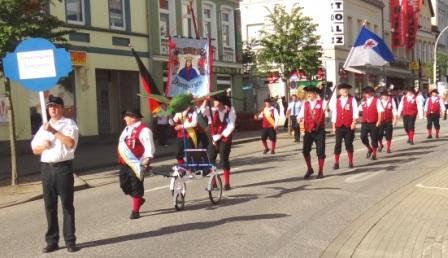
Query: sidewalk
point(412, 222)
point(91, 169)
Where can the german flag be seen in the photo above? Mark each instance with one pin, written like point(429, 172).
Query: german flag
point(149, 85)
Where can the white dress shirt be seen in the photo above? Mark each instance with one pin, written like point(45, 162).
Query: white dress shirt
point(57, 152)
point(187, 124)
point(312, 106)
point(409, 98)
point(379, 106)
point(394, 105)
point(442, 106)
point(145, 138)
point(333, 107)
point(294, 108)
point(230, 119)
point(276, 115)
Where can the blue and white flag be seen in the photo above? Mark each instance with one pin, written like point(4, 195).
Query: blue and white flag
point(369, 50)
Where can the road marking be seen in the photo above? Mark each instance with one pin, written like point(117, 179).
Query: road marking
point(362, 176)
point(431, 187)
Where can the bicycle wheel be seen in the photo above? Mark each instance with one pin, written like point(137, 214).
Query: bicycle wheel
point(179, 201)
point(179, 191)
point(215, 188)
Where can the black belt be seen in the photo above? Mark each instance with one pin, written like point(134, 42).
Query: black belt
point(58, 164)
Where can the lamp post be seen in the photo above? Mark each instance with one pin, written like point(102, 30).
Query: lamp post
point(434, 72)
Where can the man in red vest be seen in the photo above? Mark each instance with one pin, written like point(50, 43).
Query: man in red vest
point(135, 149)
point(344, 114)
point(222, 124)
point(269, 117)
point(389, 120)
point(433, 107)
point(313, 116)
point(408, 109)
point(184, 124)
point(372, 110)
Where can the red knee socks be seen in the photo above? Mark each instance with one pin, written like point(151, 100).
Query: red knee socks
point(411, 136)
point(321, 165)
point(369, 148)
point(307, 158)
point(273, 145)
point(429, 132)
point(336, 158)
point(437, 133)
point(226, 177)
point(136, 204)
point(388, 145)
point(350, 158)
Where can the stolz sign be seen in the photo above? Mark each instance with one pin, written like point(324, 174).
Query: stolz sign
point(337, 22)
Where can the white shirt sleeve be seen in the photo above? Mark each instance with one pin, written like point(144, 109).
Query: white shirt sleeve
point(355, 109)
point(425, 109)
point(420, 109)
point(289, 107)
point(360, 107)
point(39, 137)
point(442, 106)
point(230, 124)
point(400, 106)
point(147, 141)
point(302, 112)
point(260, 116)
point(194, 121)
point(379, 106)
point(394, 108)
point(276, 117)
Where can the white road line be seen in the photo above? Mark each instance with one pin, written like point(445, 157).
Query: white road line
point(362, 176)
point(431, 187)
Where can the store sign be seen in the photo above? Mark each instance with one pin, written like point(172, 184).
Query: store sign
point(3, 109)
point(78, 58)
point(337, 22)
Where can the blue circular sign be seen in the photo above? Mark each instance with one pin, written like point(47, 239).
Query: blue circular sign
point(37, 64)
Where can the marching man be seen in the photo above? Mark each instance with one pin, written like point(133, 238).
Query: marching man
point(433, 107)
point(344, 116)
point(185, 123)
point(270, 118)
point(408, 109)
point(389, 120)
point(372, 110)
point(135, 149)
point(222, 124)
point(313, 116)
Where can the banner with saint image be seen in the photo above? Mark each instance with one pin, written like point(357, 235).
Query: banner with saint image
point(189, 67)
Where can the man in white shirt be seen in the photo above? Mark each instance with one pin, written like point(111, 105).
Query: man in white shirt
point(270, 117)
point(433, 107)
point(135, 149)
point(408, 109)
point(56, 143)
point(163, 127)
point(293, 111)
point(389, 120)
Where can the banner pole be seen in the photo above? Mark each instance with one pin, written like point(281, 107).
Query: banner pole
point(43, 108)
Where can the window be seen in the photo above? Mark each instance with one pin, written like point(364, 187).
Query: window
point(75, 12)
point(167, 23)
point(209, 24)
point(225, 28)
point(228, 34)
point(187, 20)
point(117, 14)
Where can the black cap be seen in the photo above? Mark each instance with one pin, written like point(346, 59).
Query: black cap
point(435, 91)
point(52, 100)
point(269, 100)
point(311, 89)
point(368, 89)
point(410, 89)
point(133, 112)
point(224, 99)
point(344, 86)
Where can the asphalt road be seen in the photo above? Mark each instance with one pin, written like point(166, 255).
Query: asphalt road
point(270, 212)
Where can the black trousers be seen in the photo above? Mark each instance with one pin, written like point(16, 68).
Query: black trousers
point(268, 133)
point(57, 180)
point(346, 134)
point(162, 134)
point(386, 129)
point(433, 119)
point(296, 127)
point(203, 140)
point(409, 123)
point(369, 129)
point(180, 147)
point(317, 137)
point(129, 182)
point(223, 149)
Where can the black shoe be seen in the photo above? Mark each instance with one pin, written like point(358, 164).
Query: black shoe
point(350, 166)
point(227, 187)
point(50, 248)
point(411, 142)
point(369, 154)
point(429, 137)
point(308, 173)
point(380, 148)
point(373, 157)
point(71, 248)
point(265, 151)
point(272, 151)
point(296, 140)
point(320, 175)
point(135, 215)
point(336, 166)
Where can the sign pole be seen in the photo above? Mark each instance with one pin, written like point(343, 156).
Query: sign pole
point(43, 108)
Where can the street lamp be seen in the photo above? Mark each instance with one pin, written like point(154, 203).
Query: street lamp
point(435, 55)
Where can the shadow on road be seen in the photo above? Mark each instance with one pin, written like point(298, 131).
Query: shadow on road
point(285, 191)
point(180, 228)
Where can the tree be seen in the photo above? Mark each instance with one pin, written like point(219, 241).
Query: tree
point(20, 19)
point(442, 63)
point(289, 43)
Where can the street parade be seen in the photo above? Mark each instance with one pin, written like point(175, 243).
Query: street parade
point(227, 128)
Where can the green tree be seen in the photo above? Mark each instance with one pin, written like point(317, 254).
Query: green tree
point(289, 43)
point(442, 63)
point(21, 19)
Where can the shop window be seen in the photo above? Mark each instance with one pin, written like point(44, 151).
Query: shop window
point(75, 12)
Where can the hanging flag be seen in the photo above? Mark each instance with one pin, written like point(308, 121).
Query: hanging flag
point(369, 50)
point(396, 23)
point(149, 85)
point(413, 13)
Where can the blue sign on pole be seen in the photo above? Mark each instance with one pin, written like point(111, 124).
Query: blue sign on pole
point(37, 64)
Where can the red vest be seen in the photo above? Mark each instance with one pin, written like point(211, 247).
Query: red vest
point(218, 126)
point(180, 133)
point(369, 113)
point(314, 119)
point(265, 123)
point(409, 108)
point(134, 144)
point(388, 114)
point(433, 107)
point(344, 115)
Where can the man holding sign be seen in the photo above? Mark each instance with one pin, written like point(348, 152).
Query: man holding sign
point(56, 143)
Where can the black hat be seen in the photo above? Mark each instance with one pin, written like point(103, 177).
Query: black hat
point(133, 112)
point(52, 100)
point(268, 100)
point(411, 89)
point(224, 99)
point(435, 91)
point(385, 93)
point(311, 89)
point(368, 89)
point(344, 86)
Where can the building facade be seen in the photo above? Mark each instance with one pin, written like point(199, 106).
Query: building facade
point(105, 77)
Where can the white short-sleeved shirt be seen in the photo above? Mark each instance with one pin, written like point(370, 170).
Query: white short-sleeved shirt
point(57, 152)
point(333, 107)
point(145, 137)
point(379, 106)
